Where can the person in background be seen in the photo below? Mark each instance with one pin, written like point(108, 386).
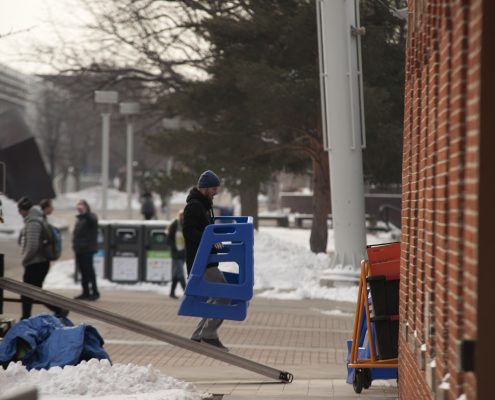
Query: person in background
point(84, 244)
point(34, 261)
point(177, 246)
point(198, 214)
point(148, 206)
point(47, 207)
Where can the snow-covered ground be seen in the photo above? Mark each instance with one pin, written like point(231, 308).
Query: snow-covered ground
point(98, 380)
point(284, 268)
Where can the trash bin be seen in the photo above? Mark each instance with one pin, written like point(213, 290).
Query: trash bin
point(157, 261)
point(125, 251)
point(100, 259)
point(385, 294)
point(387, 335)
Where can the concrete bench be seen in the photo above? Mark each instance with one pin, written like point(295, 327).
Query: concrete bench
point(280, 220)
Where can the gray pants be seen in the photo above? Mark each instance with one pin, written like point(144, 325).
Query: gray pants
point(207, 327)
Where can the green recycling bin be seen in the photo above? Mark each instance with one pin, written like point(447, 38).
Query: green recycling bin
point(157, 260)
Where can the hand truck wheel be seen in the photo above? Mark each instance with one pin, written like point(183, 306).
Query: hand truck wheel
point(357, 380)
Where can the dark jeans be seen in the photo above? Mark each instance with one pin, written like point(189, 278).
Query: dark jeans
point(35, 274)
point(177, 274)
point(84, 262)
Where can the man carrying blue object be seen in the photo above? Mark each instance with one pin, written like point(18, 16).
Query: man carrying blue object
point(198, 214)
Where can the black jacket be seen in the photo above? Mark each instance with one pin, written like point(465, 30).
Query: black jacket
point(176, 253)
point(85, 236)
point(198, 214)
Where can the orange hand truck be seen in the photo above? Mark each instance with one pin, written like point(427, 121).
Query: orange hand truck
point(380, 277)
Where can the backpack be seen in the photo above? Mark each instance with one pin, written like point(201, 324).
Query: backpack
point(51, 241)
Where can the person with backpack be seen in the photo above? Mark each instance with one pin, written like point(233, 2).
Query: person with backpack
point(53, 241)
point(47, 207)
point(85, 245)
point(34, 238)
point(177, 246)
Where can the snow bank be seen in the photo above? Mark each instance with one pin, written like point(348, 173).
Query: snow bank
point(99, 379)
point(12, 220)
point(61, 276)
point(290, 271)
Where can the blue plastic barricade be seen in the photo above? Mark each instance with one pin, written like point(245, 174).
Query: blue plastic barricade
point(237, 236)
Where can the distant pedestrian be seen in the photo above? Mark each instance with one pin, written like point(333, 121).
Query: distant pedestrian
point(34, 260)
point(47, 207)
point(198, 214)
point(177, 246)
point(148, 206)
point(84, 244)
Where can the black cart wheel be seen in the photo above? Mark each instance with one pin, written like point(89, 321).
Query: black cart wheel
point(357, 381)
point(367, 378)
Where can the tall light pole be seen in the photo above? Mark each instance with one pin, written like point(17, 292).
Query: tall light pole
point(344, 135)
point(107, 98)
point(129, 109)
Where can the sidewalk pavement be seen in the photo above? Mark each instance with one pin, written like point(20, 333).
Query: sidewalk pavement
point(300, 337)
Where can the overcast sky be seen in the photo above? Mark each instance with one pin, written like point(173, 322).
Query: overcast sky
point(40, 21)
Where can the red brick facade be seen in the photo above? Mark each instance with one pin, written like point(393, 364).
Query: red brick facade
point(439, 259)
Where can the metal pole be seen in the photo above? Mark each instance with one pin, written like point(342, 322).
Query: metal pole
point(105, 159)
point(344, 127)
point(130, 156)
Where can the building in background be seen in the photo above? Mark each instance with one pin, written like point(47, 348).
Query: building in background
point(448, 206)
point(26, 173)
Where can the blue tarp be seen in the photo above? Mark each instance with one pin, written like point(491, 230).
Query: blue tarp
point(50, 343)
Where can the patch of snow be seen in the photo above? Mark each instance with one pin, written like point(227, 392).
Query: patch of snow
point(333, 312)
point(99, 379)
point(301, 236)
point(61, 276)
point(423, 347)
point(13, 221)
point(462, 397)
point(433, 364)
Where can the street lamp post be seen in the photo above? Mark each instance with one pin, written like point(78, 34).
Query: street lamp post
point(129, 109)
point(108, 98)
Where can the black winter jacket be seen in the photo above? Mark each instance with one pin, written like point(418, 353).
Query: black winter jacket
point(85, 236)
point(198, 214)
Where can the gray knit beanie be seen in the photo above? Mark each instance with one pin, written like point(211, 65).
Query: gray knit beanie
point(208, 179)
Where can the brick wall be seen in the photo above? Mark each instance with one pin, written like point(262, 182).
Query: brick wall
point(440, 189)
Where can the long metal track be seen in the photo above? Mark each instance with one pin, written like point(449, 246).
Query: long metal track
point(147, 330)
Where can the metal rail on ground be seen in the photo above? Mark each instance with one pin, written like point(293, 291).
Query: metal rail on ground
point(121, 321)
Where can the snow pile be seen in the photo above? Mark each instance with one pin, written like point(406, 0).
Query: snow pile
point(300, 237)
point(290, 271)
point(99, 379)
point(12, 219)
point(115, 200)
point(61, 276)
